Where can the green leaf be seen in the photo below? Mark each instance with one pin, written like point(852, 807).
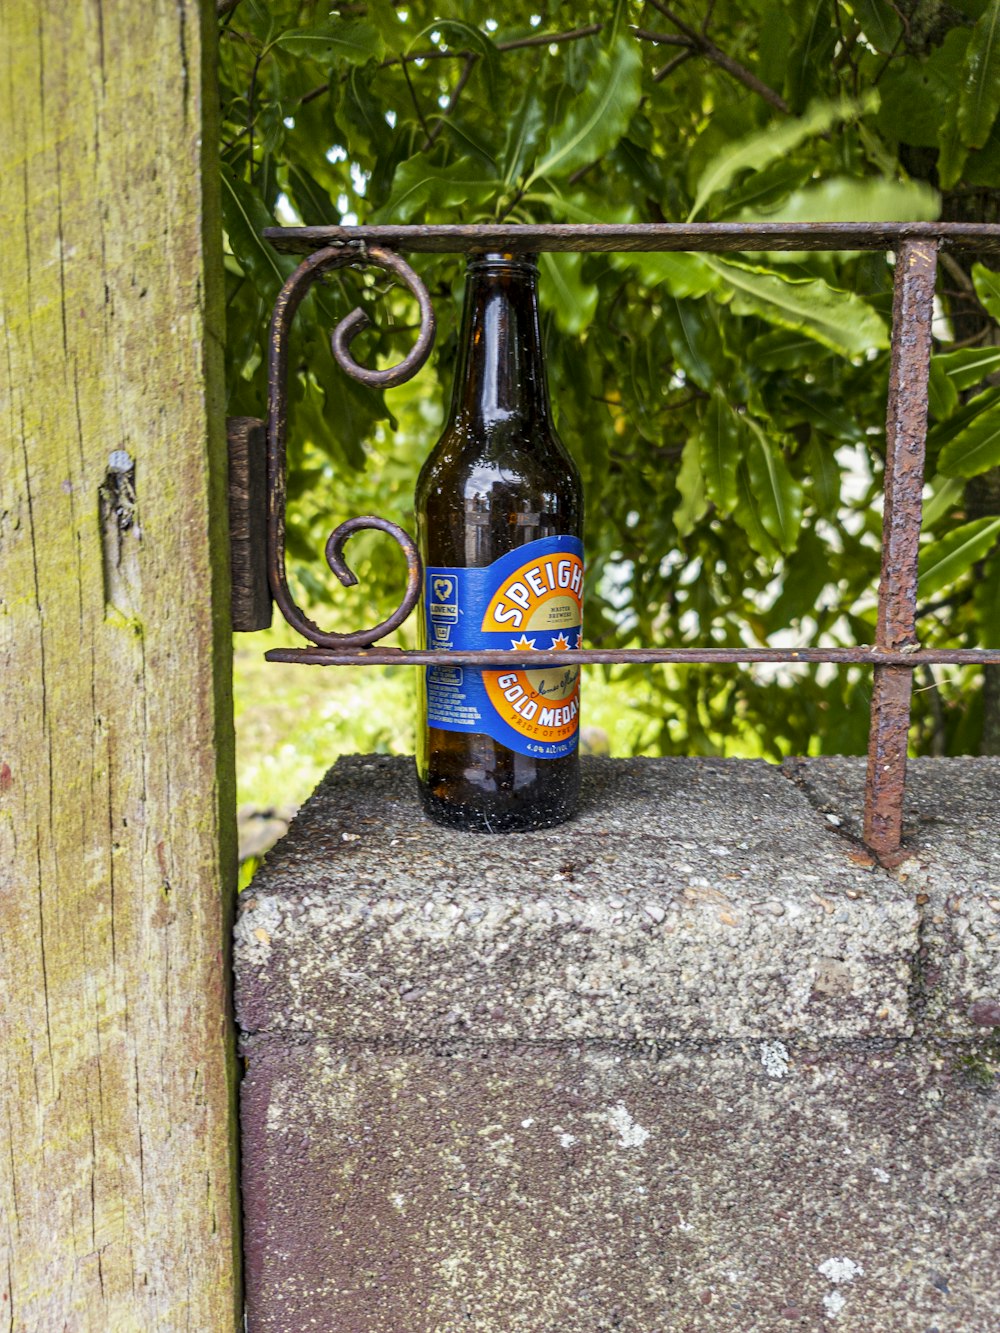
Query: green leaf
point(987, 285)
point(747, 513)
point(312, 201)
point(524, 129)
point(763, 147)
point(580, 208)
point(846, 199)
point(720, 452)
point(946, 494)
point(952, 152)
point(473, 135)
point(335, 39)
point(564, 292)
point(766, 187)
point(803, 582)
point(643, 169)
point(595, 121)
point(983, 167)
point(979, 98)
point(880, 23)
point(986, 598)
point(807, 402)
point(944, 561)
point(841, 321)
point(976, 448)
point(970, 366)
point(942, 395)
point(823, 473)
point(808, 62)
point(681, 273)
point(695, 340)
point(943, 432)
point(350, 410)
point(391, 29)
point(464, 37)
point(614, 28)
point(244, 217)
point(782, 350)
point(691, 488)
point(778, 494)
point(916, 94)
point(361, 115)
point(418, 187)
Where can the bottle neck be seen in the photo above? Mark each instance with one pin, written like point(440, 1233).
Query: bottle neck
point(500, 374)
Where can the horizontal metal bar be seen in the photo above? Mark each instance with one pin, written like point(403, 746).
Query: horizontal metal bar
point(705, 236)
point(525, 660)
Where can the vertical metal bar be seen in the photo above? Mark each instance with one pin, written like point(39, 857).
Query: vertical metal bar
point(905, 433)
point(251, 594)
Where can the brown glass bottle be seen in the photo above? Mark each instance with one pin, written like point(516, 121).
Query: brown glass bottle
point(499, 479)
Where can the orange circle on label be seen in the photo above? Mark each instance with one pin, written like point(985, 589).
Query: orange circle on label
point(543, 595)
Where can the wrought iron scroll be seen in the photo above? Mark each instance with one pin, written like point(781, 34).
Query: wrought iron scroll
point(896, 651)
point(289, 299)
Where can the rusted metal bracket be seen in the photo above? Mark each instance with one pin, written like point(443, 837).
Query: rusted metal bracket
point(895, 653)
point(257, 461)
point(251, 596)
point(289, 299)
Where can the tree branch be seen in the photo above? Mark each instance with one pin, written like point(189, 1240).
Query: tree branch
point(416, 105)
point(703, 44)
point(549, 38)
point(251, 113)
point(515, 44)
point(463, 79)
point(939, 735)
point(663, 38)
point(846, 53)
point(660, 74)
point(957, 272)
point(676, 20)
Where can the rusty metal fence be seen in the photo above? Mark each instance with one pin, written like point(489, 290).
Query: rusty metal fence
point(896, 651)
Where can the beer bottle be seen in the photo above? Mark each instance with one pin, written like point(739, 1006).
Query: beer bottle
point(499, 516)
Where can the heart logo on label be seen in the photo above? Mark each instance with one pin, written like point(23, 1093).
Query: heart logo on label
point(442, 589)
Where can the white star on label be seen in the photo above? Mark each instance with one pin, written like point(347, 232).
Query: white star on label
point(522, 642)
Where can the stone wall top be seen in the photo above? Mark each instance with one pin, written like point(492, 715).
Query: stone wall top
point(689, 899)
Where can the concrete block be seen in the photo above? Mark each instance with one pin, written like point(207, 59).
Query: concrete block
point(689, 899)
point(953, 875)
point(577, 1188)
point(691, 1061)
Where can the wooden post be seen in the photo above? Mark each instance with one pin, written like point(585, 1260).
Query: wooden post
point(117, 833)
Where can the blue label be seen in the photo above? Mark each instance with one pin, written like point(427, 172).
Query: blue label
point(531, 598)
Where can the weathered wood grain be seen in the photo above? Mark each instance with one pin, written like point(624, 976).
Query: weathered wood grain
point(116, 791)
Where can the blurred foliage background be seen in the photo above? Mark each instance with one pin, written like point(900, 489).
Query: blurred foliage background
point(726, 412)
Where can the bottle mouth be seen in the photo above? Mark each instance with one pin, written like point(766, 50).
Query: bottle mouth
point(497, 261)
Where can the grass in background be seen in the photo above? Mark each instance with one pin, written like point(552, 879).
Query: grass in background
point(293, 722)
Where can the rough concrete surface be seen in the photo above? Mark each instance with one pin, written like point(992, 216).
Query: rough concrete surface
point(692, 1061)
point(953, 875)
point(570, 1189)
point(688, 899)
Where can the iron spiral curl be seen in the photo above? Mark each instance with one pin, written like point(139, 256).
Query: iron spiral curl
point(289, 299)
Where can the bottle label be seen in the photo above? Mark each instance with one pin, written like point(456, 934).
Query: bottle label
point(531, 598)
